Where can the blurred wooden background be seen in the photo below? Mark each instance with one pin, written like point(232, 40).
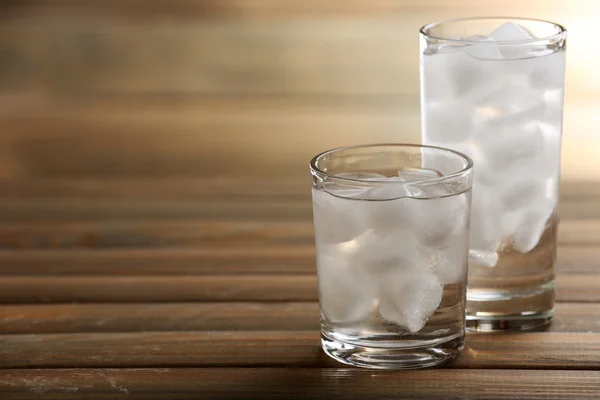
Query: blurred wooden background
point(184, 89)
point(154, 170)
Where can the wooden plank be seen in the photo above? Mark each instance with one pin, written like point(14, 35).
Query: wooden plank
point(69, 210)
point(577, 259)
point(261, 259)
point(155, 234)
point(145, 256)
point(82, 318)
point(574, 235)
point(74, 210)
point(23, 289)
point(216, 187)
point(578, 288)
point(576, 317)
point(158, 289)
point(159, 317)
point(275, 348)
point(297, 383)
point(188, 138)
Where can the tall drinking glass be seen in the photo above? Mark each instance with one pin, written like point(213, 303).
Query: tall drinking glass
point(391, 235)
point(492, 88)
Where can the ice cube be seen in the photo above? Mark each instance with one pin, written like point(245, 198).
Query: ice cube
point(387, 191)
point(475, 81)
point(509, 37)
point(456, 76)
point(449, 260)
point(433, 220)
point(486, 227)
point(510, 105)
point(380, 250)
point(532, 226)
point(346, 293)
point(416, 174)
point(472, 149)
point(409, 297)
point(525, 206)
point(485, 258)
point(362, 175)
point(522, 194)
point(551, 133)
point(447, 123)
point(337, 219)
point(431, 217)
point(549, 72)
point(483, 49)
point(512, 150)
point(439, 71)
point(383, 214)
point(510, 32)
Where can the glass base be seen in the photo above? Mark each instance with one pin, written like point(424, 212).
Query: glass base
point(507, 323)
point(420, 355)
point(504, 311)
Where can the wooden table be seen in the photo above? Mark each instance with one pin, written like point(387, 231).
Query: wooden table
point(207, 289)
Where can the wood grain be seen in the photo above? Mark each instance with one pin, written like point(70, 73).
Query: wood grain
point(247, 258)
point(216, 187)
point(268, 137)
point(260, 259)
point(83, 318)
point(275, 348)
point(71, 210)
point(297, 383)
point(165, 288)
point(153, 168)
point(574, 238)
point(582, 288)
point(577, 288)
point(190, 188)
point(68, 210)
point(201, 134)
point(161, 317)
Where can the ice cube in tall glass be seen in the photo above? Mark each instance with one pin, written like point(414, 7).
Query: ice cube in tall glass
point(493, 89)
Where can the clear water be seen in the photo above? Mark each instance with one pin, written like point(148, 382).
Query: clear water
point(391, 268)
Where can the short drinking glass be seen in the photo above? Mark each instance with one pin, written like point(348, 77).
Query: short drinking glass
point(492, 88)
point(391, 233)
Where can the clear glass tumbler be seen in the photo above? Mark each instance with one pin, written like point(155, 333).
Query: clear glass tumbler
point(492, 88)
point(391, 233)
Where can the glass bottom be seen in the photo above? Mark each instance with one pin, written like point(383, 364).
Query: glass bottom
point(394, 355)
point(503, 311)
point(509, 322)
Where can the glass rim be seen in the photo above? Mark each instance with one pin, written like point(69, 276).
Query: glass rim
point(454, 175)
point(556, 36)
